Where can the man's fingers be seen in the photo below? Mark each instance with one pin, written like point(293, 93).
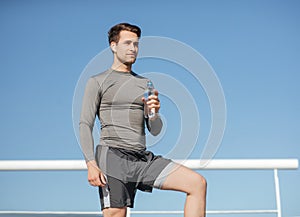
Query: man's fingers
point(95, 182)
point(152, 101)
point(95, 175)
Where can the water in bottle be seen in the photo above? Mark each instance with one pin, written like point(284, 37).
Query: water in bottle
point(150, 113)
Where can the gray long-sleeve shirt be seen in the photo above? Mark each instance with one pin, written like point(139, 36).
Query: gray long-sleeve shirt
point(116, 98)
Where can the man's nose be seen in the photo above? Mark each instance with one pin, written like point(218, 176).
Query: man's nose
point(132, 47)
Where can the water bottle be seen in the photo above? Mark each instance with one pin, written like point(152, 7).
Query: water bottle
point(149, 113)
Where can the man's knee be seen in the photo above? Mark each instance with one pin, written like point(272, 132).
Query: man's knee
point(114, 212)
point(203, 181)
point(199, 183)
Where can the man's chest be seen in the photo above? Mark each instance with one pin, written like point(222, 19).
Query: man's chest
point(123, 93)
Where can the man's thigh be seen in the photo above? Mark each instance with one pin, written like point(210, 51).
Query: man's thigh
point(182, 179)
point(114, 212)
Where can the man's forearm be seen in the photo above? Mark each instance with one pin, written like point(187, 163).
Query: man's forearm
point(86, 142)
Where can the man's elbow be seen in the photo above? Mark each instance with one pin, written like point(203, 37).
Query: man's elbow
point(156, 126)
point(155, 132)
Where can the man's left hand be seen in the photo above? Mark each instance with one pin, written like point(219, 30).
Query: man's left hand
point(153, 101)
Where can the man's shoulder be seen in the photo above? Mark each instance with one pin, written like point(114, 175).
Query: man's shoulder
point(100, 75)
point(95, 81)
point(99, 78)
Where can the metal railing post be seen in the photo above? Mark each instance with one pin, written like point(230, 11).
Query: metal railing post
point(128, 212)
point(277, 191)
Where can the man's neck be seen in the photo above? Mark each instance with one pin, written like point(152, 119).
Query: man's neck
point(121, 67)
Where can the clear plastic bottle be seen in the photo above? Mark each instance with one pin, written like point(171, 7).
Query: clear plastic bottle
point(149, 113)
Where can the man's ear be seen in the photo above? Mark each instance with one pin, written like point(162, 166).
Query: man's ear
point(113, 46)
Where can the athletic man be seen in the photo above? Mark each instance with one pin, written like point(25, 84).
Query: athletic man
point(121, 164)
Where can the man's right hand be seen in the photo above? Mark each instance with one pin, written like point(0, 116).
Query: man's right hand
point(95, 175)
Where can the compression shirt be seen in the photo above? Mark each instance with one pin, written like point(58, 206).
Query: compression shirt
point(116, 99)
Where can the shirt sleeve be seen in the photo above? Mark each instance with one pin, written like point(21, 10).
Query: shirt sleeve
point(90, 105)
point(154, 125)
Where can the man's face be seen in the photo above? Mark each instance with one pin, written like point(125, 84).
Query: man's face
point(126, 49)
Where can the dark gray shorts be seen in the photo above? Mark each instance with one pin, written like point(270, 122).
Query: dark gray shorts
point(128, 171)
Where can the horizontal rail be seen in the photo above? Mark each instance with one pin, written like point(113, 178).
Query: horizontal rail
point(227, 164)
point(241, 164)
point(80, 213)
point(208, 212)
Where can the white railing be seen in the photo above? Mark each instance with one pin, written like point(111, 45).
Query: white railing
point(245, 164)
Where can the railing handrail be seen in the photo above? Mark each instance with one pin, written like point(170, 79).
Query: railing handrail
point(222, 164)
point(141, 212)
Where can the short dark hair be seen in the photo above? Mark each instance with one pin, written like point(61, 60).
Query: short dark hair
point(114, 32)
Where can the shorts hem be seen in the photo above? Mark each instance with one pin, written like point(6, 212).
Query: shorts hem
point(117, 206)
point(161, 178)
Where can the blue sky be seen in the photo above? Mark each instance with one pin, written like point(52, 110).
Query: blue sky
point(252, 46)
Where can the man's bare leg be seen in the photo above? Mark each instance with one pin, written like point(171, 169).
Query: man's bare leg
point(115, 212)
point(193, 184)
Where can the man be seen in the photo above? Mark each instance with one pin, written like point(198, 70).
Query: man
point(121, 164)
